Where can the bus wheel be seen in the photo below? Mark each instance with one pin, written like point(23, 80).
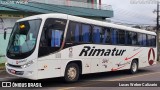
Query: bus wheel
point(134, 67)
point(71, 73)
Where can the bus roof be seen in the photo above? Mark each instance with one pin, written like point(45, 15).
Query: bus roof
point(87, 21)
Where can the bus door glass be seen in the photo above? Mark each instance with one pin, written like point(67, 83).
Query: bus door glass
point(56, 38)
point(52, 36)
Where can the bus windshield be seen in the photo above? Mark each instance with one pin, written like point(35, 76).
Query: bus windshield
point(23, 38)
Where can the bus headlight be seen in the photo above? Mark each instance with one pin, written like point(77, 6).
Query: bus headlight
point(6, 63)
point(27, 64)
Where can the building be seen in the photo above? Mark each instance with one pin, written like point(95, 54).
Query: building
point(12, 10)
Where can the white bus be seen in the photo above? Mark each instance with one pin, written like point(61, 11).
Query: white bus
point(61, 45)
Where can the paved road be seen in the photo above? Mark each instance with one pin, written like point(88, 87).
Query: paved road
point(96, 81)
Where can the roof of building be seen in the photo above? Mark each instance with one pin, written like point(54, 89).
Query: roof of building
point(6, 9)
point(50, 8)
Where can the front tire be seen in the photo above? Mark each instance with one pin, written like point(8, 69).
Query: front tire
point(71, 73)
point(134, 67)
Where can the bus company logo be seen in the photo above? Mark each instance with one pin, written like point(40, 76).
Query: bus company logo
point(16, 62)
point(92, 51)
point(21, 61)
point(151, 56)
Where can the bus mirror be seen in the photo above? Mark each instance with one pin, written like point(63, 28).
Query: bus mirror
point(5, 34)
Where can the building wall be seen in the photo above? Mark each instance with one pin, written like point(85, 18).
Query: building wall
point(4, 23)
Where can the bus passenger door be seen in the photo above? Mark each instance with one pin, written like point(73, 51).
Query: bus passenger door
point(49, 64)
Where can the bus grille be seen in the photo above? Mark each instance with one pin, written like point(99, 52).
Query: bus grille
point(14, 66)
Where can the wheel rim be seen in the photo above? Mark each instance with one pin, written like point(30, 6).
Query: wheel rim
point(134, 67)
point(72, 72)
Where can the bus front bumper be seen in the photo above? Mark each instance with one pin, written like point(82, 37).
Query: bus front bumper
point(21, 72)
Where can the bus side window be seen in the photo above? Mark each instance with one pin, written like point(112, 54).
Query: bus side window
point(153, 41)
point(121, 37)
point(128, 38)
point(134, 38)
point(69, 33)
point(144, 40)
point(149, 37)
point(73, 33)
point(96, 34)
point(86, 33)
point(140, 39)
point(106, 38)
point(114, 37)
point(77, 32)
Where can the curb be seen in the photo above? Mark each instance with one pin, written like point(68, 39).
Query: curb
point(2, 68)
point(2, 71)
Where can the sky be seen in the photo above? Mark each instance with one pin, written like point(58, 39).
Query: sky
point(141, 12)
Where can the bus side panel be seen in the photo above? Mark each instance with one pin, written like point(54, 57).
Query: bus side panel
point(148, 57)
point(68, 57)
point(95, 64)
point(86, 66)
point(48, 67)
point(143, 58)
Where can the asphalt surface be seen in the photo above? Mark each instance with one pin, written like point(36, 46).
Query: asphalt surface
point(101, 81)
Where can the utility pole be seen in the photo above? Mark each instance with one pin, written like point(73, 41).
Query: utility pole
point(157, 30)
